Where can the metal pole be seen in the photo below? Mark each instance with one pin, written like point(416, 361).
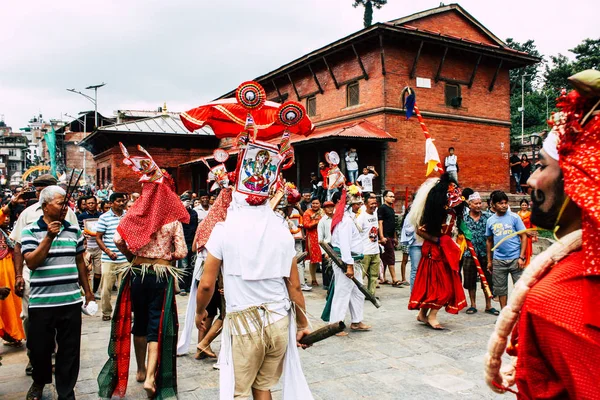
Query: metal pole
point(547, 116)
point(96, 107)
point(84, 150)
point(522, 108)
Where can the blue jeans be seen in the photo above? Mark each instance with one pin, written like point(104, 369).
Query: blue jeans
point(352, 175)
point(330, 193)
point(415, 259)
point(517, 176)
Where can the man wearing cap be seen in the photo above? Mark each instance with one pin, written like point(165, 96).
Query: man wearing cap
point(22, 273)
point(554, 311)
point(476, 221)
point(189, 231)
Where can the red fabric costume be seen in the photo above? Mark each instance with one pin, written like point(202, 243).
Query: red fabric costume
point(559, 356)
point(312, 236)
point(438, 282)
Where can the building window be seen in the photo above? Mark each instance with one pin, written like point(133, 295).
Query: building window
point(109, 174)
point(452, 95)
point(311, 106)
point(98, 181)
point(352, 98)
point(12, 152)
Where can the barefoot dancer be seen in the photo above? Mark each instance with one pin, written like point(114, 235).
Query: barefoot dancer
point(151, 237)
point(438, 282)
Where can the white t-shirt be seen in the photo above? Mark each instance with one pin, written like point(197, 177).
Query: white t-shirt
point(202, 213)
point(366, 181)
point(351, 161)
point(241, 294)
point(369, 231)
point(451, 162)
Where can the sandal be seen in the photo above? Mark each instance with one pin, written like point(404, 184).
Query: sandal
point(471, 310)
point(14, 343)
point(492, 311)
point(106, 318)
point(35, 392)
point(398, 284)
point(385, 282)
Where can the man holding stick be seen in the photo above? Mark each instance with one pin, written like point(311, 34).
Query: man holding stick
point(346, 239)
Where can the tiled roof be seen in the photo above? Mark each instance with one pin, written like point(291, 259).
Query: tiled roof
point(167, 124)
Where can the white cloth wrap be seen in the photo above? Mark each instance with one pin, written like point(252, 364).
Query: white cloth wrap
point(295, 386)
point(185, 339)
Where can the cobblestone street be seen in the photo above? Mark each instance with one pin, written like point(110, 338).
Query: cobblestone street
point(399, 359)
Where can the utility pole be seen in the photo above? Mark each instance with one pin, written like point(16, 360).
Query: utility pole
point(94, 99)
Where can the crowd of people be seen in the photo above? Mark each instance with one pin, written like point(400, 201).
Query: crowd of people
point(239, 255)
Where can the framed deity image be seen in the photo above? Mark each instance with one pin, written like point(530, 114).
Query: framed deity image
point(259, 169)
point(89, 226)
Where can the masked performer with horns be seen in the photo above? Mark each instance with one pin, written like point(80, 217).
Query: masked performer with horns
point(554, 311)
point(437, 208)
point(254, 250)
point(151, 236)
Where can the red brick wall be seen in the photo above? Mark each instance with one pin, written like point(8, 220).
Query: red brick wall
point(452, 23)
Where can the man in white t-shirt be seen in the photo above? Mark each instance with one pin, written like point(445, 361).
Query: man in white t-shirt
point(202, 209)
point(451, 164)
point(368, 225)
point(365, 181)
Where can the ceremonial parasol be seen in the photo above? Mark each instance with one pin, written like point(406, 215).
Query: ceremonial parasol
point(228, 117)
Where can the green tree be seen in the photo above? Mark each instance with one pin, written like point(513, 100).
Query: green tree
point(369, 4)
point(587, 55)
point(531, 71)
point(556, 74)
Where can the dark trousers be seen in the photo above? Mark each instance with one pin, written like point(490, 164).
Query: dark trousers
point(50, 326)
point(187, 264)
point(147, 298)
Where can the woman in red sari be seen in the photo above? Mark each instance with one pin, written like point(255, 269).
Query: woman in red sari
point(438, 283)
point(310, 220)
point(525, 215)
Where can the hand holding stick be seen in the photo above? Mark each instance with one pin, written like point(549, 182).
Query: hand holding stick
point(323, 333)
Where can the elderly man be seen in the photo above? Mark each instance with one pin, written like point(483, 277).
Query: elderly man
point(53, 250)
point(22, 273)
point(555, 308)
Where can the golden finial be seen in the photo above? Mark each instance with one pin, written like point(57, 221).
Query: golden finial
point(165, 108)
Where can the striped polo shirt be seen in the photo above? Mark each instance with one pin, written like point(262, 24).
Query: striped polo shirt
point(108, 223)
point(55, 282)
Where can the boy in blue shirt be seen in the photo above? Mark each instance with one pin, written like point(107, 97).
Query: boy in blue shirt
point(509, 257)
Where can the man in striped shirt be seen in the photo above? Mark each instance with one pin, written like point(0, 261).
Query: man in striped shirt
point(112, 258)
point(53, 250)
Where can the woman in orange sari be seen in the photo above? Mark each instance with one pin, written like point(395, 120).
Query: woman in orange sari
point(11, 326)
point(310, 220)
point(525, 215)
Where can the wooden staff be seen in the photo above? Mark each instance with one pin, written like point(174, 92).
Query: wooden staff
point(323, 333)
point(300, 257)
point(484, 282)
point(338, 261)
point(70, 189)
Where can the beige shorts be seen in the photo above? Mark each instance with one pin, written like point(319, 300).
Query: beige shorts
point(259, 364)
point(96, 260)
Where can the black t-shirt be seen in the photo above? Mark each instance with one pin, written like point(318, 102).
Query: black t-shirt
point(386, 214)
point(189, 230)
point(515, 169)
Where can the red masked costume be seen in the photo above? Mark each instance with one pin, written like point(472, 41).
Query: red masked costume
point(554, 312)
point(438, 283)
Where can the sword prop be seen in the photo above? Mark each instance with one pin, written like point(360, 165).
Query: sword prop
point(484, 282)
point(323, 333)
point(338, 261)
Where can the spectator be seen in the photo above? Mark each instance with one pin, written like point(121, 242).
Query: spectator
point(316, 186)
point(57, 271)
point(102, 193)
point(128, 205)
point(310, 219)
point(81, 206)
point(365, 181)
point(451, 164)
point(189, 231)
point(352, 165)
point(515, 169)
point(104, 206)
point(368, 226)
point(414, 242)
point(509, 257)
point(112, 258)
point(134, 196)
point(525, 173)
point(211, 199)
point(525, 214)
point(388, 236)
point(476, 221)
point(324, 233)
point(323, 171)
point(202, 209)
point(93, 251)
point(305, 201)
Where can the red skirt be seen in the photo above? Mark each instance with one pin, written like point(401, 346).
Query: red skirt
point(438, 282)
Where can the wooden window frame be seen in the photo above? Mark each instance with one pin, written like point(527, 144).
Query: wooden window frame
point(350, 86)
point(311, 111)
point(448, 98)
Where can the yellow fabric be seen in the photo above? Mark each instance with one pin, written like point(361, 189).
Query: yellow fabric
point(462, 244)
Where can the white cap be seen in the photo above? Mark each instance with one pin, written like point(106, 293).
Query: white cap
point(550, 145)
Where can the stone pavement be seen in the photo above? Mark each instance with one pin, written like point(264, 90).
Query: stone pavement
point(399, 359)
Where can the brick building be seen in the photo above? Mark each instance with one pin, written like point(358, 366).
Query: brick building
point(162, 135)
point(459, 70)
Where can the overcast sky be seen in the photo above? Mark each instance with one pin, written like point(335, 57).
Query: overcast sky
point(187, 52)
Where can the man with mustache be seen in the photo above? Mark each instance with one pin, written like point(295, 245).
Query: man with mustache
point(554, 312)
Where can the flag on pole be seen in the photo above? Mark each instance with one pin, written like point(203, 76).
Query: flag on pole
point(50, 138)
point(432, 158)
